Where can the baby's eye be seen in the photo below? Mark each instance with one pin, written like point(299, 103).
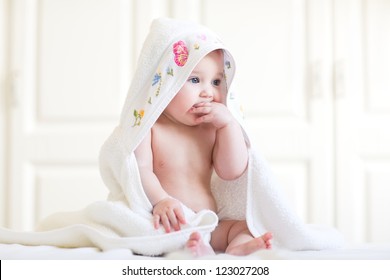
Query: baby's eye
point(216, 82)
point(194, 80)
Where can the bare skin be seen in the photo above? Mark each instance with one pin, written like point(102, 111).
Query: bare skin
point(198, 248)
point(195, 135)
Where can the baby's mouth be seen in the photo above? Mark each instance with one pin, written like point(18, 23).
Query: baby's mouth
point(197, 104)
point(201, 102)
point(194, 107)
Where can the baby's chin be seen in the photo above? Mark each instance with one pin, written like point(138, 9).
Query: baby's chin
point(191, 120)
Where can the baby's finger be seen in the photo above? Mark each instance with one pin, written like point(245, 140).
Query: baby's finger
point(165, 223)
point(201, 110)
point(180, 216)
point(156, 221)
point(173, 220)
point(205, 118)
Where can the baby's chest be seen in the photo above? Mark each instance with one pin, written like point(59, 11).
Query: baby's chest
point(181, 149)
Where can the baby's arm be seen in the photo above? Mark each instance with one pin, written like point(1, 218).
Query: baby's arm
point(150, 182)
point(230, 155)
point(166, 209)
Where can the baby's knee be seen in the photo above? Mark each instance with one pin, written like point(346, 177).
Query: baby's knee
point(239, 227)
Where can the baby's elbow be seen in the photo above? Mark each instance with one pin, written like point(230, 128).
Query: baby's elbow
point(230, 175)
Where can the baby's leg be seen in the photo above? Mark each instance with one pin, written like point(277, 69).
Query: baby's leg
point(197, 247)
point(233, 237)
point(251, 246)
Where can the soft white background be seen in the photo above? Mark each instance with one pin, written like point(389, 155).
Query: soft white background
point(313, 76)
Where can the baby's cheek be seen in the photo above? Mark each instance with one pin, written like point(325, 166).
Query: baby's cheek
point(219, 98)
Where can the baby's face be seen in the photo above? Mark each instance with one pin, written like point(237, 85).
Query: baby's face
point(205, 84)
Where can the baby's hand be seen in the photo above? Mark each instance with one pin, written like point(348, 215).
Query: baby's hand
point(169, 213)
point(212, 112)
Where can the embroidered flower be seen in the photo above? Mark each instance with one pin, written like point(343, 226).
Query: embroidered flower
point(170, 71)
point(181, 53)
point(196, 46)
point(227, 64)
point(156, 79)
point(138, 116)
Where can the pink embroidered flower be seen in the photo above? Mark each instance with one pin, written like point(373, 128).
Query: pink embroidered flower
point(181, 53)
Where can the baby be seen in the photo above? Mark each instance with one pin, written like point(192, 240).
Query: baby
point(194, 136)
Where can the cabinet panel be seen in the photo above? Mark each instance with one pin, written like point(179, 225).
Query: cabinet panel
point(79, 60)
point(71, 61)
point(376, 54)
point(362, 120)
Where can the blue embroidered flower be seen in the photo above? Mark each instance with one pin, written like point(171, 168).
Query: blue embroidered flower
point(156, 79)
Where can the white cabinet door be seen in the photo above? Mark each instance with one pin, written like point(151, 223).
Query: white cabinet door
point(70, 68)
point(362, 71)
point(283, 52)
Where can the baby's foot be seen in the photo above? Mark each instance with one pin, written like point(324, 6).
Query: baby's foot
point(259, 243)
point(267, 237)
point(197, 247)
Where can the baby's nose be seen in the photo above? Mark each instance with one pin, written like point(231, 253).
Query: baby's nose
point(206, 94)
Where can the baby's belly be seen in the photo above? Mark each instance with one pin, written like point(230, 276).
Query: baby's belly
point(201, 202)
point(188, 183)
point(196, 198)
